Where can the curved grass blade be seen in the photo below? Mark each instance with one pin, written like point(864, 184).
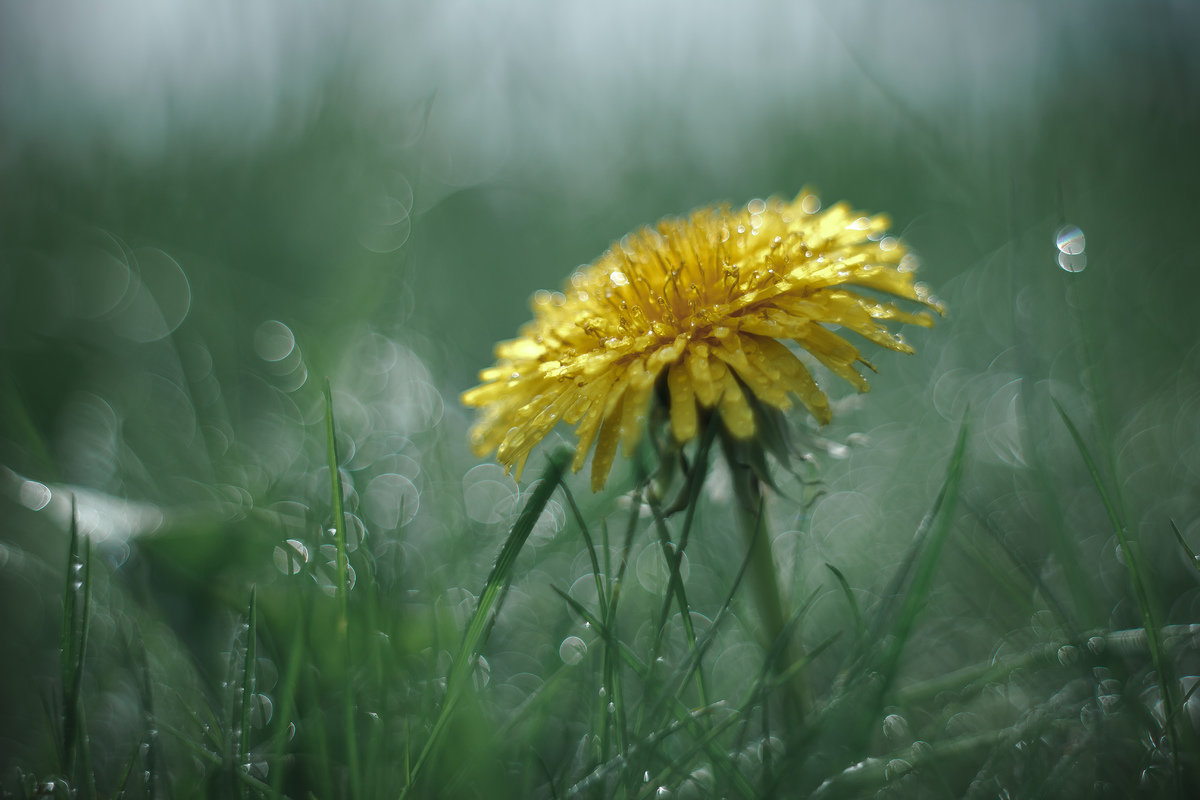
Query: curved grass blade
point(1141, 592)
point(895, 619)
point(1193, 559)
point(497, 579)
point(860, 627)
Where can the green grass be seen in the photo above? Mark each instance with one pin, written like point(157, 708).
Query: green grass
point(377, 696)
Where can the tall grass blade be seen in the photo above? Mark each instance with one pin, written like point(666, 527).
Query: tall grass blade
point(941, 516)
point(246, 690)
point(678, 710)
point(1139, 579)
point(122, 783)
point(343, 588)
point(150, 738)
point(903, 602)
point(1028, 571)
point(860, 627)
point(73, 641)
point(287, 711)
point(497, 579)
point(613, 726)
point(1193, 559)
point(68, 645)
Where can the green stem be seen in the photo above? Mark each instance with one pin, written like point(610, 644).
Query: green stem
point(769, 602)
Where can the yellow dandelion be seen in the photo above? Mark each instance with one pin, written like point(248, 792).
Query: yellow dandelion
point(699, 307)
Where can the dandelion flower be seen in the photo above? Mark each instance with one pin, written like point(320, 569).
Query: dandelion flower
point(694, 313)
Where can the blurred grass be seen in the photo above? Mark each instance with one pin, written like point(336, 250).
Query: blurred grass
point(217, 640)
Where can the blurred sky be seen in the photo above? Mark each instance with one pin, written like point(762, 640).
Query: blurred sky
point(531, 81)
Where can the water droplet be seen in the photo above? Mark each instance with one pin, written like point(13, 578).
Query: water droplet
point(261, 709)
point(1073, 262)
point(1070, 240)
point(483, 672)
point(860, 224)
point(291, 557)
point(274, 341)
point(895, 727)
point(391, 501)
point(810, 204)
point(34, 496)
point(653, 572)
point(896, 768)
point(158, 301)
point(572, 650)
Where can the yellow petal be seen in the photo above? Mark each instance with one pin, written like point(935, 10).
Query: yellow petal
point(606, 448)
point(796, 377)
point(703, 383)
point(684, 421)
point(735, 411)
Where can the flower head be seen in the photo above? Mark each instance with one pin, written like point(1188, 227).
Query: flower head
point(699, 306)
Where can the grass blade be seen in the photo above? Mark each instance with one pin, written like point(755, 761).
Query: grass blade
point(343, 588)
point(1141, 592)
point(246, 700)
point(287, 699)
point(1193, 559)
point(931, 546)
point(497, 579)
point(860, 627)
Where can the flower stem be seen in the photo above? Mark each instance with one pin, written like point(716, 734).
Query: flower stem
point(777, 635)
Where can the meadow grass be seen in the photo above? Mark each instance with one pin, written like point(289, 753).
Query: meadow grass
point(327, 688)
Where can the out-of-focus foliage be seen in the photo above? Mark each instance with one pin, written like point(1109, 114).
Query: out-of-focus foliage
point(208, 208)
